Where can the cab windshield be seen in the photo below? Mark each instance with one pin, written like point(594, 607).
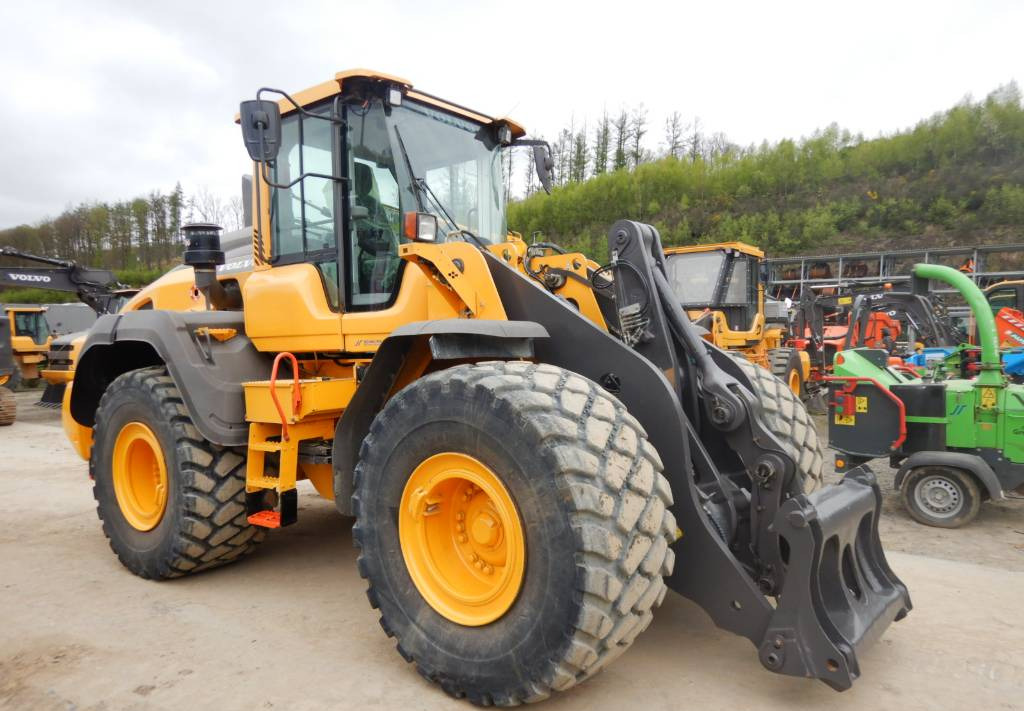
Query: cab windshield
point(455, 169)
point(694, 276)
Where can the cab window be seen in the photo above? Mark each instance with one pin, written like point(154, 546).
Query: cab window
point(302, 217)
point(375, 208)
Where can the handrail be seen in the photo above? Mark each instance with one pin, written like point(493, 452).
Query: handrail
point(296, 391)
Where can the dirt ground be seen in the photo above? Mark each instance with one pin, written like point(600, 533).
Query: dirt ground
point(290, 627)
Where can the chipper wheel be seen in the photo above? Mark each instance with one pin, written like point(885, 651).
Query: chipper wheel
point(171, 503)
point(785, 365)
point(788, 420)
point(943, 497)
point(513, 526)
point(8, 407)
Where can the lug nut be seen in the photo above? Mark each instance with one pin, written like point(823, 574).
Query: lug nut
point(462, 538)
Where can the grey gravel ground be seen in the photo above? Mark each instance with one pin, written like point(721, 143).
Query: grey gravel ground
point(290, 628)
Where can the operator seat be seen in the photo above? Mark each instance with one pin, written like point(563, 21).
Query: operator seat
point(378, 246)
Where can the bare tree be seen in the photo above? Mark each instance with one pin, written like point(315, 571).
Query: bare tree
point(602, 143)
point(620, 159)
point(674, 135)
point(206, 207)
point(638, 129)
point(695, 141)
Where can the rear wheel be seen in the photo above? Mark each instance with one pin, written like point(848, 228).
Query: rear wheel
point(786, 366)
point(8, 407)
point(787, 418)
point(941, 496)
point(14, 379)
point(531, 517)
point(171, 503)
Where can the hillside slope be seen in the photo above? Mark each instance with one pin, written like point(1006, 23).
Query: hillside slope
point(956, 178)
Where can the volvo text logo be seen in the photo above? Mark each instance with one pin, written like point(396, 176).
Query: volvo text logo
point(29, 277)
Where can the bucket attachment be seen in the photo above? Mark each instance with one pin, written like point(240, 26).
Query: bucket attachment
point(53, 395)
point(839, 593)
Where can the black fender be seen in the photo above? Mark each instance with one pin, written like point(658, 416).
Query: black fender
point(448, 340)
point(209, 373)
point(970, 463)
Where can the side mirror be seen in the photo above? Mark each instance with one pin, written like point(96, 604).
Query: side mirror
point(542, 159)
point(261, 129)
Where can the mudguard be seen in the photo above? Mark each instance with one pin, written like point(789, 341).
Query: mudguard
point(208, 372)
point(957, 460)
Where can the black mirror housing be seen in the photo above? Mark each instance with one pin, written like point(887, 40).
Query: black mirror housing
point(261, 129)
point(544, 163)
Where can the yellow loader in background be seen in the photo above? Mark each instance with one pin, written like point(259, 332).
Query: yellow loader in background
point(534, 447)
point(721, 286)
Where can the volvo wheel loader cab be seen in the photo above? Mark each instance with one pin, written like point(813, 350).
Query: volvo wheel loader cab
point(956, 441)
point(722, 290)
point(30, 340)
point(535, 447)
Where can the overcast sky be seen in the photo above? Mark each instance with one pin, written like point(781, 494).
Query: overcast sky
point(105, 100)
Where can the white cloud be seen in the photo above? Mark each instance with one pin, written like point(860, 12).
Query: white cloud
point(109, 99)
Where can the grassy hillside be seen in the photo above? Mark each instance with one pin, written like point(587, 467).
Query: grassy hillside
point(956, 178)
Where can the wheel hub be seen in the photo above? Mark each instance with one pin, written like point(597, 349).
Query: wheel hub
point(140, 476)
point(462, 539)
point(940, 497)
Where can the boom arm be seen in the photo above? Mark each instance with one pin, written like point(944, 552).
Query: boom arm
point(91, 285)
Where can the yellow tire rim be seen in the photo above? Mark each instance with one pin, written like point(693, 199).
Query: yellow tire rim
point(462, 539)
point(140, 476)
point(794, 382)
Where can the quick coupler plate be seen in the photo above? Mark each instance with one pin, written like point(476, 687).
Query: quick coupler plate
point(839, 593)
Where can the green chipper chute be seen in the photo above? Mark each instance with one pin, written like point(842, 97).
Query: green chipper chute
point(955, 442)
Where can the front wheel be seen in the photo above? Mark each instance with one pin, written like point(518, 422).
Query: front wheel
point(531, 522)
point(171, 503)
point(941, 496)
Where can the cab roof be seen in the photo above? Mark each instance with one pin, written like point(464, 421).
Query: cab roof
point(334, 86)
point(741, 247)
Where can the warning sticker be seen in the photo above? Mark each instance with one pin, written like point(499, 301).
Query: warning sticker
point(862, 404)
point(988, 398)
point(845, 419)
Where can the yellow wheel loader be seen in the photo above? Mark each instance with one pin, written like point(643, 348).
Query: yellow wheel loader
point(534, 447)
point(722, 289)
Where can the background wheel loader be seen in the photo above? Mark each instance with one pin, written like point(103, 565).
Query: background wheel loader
point(531, 463)
point(722, 289)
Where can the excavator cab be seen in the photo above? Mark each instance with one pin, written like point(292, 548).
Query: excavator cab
point(534, 446)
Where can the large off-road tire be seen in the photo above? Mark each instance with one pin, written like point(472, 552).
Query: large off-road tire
point(8, 407)
point(171, 503)
point(787, 418)
point(943, 497)
point(590, 505)
point(14, 379)
point(786, 366)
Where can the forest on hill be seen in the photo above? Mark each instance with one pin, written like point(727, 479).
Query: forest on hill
point(137, 238)
point(956, 178)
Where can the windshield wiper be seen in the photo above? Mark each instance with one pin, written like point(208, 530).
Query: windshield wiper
point(422, 188)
